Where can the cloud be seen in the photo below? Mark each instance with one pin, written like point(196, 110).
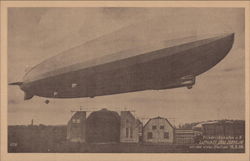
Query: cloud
point(232, 69)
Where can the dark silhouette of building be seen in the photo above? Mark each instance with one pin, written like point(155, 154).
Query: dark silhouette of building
point(224, 128)
point(103, 126)
point(76, 129)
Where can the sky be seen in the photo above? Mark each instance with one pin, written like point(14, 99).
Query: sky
point(35, 34)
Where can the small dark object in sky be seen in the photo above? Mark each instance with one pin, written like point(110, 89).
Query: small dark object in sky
point(47, 101)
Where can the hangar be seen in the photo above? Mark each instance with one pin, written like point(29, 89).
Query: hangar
point(103, 126)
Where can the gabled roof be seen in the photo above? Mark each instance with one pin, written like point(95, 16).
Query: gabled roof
point(78, 114)
point(159, 118)
point(129, 113)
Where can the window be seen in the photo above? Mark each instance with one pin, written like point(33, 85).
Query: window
point(161, 127)
point(153, 127)
point(76, 121)
point(126, 132)
point(166, 135)
point(73, 85)
point(131, 132)
point(150, 135)
point(55, 93)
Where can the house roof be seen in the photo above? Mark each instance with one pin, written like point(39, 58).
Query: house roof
point(159, 118)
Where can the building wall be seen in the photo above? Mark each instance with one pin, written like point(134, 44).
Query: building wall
point(130, 129)
point(140, 129)
point(159, 135)
point(76, 128)
point(224, 129)
point(184, 136)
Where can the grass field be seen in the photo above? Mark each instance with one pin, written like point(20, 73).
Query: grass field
point(52, 139)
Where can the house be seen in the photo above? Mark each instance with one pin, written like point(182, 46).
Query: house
point(76, 128)
point(130, 129)
point(158, 130)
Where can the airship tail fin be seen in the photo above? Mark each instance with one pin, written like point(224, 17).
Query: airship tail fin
point(16, 83)
point(27, 96)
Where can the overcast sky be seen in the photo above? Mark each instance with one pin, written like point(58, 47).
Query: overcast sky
point(35, 34)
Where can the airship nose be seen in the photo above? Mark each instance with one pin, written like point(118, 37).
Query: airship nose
point(227, 39)
point(230, 37)
point(227, 35)
point(224, 44)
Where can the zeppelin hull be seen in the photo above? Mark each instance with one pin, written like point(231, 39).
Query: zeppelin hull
point(170, 67)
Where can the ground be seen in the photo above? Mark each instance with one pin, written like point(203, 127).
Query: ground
point(52, 139)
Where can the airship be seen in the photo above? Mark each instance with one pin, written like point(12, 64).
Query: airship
point(148, 55)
